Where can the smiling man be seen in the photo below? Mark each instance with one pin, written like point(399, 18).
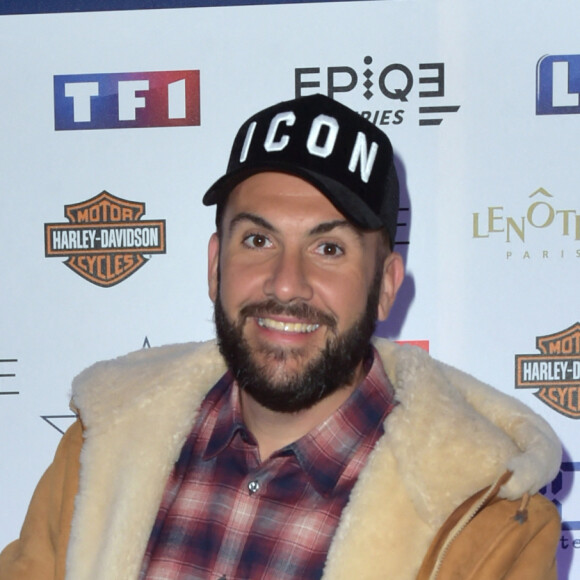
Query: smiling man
point(297, 291)
point(295, 446)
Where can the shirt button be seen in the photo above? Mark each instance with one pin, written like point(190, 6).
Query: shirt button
point(253, 486)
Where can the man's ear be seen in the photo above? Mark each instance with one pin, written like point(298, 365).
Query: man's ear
point(213, 255)
point(393, 275)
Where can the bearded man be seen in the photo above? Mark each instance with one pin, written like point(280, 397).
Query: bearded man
point(295, 446)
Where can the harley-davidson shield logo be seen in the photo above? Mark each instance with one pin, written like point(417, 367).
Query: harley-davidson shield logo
point(555, 372)
point(105, 240)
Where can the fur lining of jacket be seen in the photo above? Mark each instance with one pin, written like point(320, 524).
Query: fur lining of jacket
point(449, 436)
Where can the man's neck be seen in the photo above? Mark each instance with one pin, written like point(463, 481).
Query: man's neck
point(274, 430)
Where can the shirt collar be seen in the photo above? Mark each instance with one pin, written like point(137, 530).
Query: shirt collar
point(229, 420)
point(324, 452)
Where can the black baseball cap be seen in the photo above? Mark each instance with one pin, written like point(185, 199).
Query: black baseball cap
point(345, 156)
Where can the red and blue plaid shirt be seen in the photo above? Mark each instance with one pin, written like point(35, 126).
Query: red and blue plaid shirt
point(225, 515)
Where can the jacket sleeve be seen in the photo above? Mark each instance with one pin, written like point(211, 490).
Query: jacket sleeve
point(506, 540)
point(40, 552)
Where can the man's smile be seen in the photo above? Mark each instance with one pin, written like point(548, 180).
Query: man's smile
point(285, 326)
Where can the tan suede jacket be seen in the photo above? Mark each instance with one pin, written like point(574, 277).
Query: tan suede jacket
point(448, 493)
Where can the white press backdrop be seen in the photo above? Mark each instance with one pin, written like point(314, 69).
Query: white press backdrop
point(492, 211)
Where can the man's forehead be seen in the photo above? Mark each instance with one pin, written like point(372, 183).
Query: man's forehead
point(281, 193)
point(263, 203)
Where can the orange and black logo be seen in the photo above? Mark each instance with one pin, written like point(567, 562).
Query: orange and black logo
point(555, 372)
point(105, 240)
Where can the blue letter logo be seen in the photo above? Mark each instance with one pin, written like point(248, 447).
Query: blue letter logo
point(558, 85)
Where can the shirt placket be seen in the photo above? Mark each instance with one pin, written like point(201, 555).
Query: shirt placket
point(243, 514)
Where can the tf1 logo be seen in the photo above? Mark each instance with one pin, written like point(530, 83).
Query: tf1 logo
point(558, 85)
point(123, 100)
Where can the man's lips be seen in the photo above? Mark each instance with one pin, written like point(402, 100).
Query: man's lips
point(291, 318)
point(286, 326)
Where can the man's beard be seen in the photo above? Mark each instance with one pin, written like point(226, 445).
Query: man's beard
point(333, 368)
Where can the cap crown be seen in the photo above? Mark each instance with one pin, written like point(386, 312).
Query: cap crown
point(342, 154)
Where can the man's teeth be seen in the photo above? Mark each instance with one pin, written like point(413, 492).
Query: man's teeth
point(287, 326)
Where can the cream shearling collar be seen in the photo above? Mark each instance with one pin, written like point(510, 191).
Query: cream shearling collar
point(449, 436)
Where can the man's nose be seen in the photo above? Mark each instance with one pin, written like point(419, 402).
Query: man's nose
point(288, 279)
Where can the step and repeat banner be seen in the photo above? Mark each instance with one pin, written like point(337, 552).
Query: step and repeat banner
point(115, 122)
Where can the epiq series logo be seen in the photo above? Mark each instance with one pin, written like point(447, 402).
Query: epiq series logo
point(105, 240)
point(542, 214)
point(558, 85)
point(387, 88)
point(555, 372)
point(124, 100)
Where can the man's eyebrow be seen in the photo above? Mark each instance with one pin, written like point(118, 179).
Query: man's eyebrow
point(251, 217)
point(321, 228)
point(325, 227)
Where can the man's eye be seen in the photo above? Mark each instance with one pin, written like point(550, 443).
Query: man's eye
point(257, 241)
point(328, 249)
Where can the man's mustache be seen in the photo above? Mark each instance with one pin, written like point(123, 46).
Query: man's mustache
point(299, 310)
